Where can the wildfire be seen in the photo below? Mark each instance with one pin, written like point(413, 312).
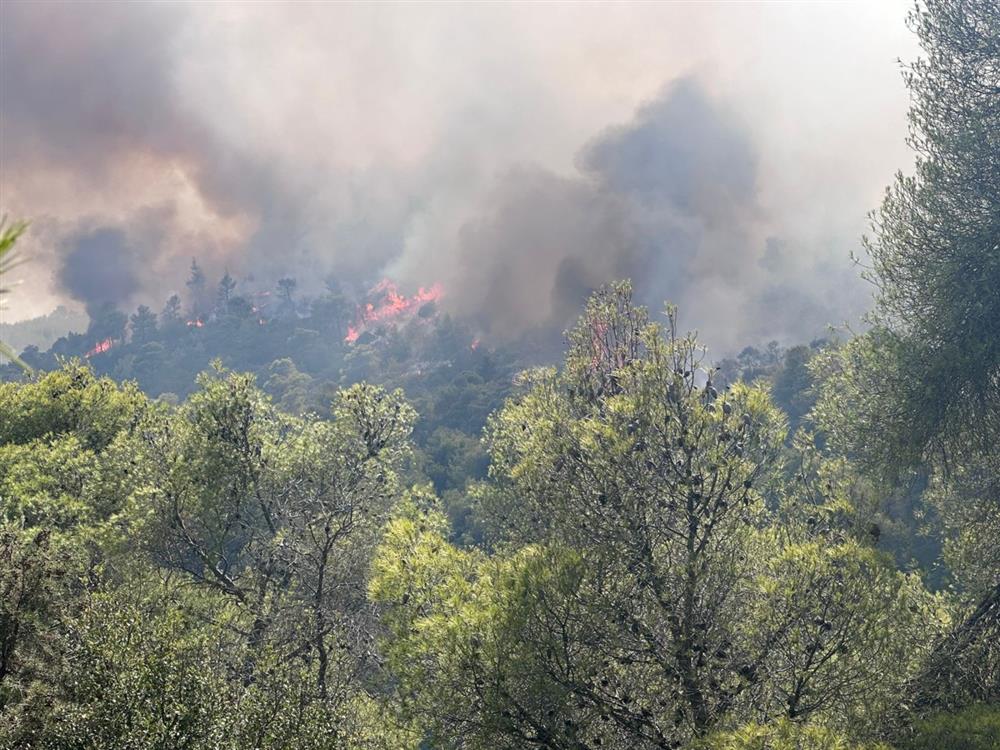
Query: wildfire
point(389, 304)
point(99, 348)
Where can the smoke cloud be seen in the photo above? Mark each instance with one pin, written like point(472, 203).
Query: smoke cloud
point(99, 267)
point(721, 157)
point(669, 200)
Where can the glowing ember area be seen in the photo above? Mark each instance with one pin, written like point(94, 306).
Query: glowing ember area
point(100, 348)
point(196, 323)
point(389, 304)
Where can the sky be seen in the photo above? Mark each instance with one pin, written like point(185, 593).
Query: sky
point(722, 155)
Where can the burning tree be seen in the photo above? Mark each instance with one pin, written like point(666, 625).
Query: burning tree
point(387, 304)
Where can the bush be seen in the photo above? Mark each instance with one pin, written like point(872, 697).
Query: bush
point(783, 735)
point(973, 728)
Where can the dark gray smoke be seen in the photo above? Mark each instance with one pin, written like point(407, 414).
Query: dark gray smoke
point(86, 85)
point(100, 264)
point(682, 150)
point(89, 90)
point(102, 103)
point(668, 200)
point(100, 267)
point(544, 241)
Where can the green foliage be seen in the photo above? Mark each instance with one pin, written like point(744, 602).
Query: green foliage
point(145, 668)
point(8, 237)
point(968, 499)
point(974, 728)
point(64, 487)
point(463, 644)
point(650, 560)
point(453, 458)
point(33, 588)
point(831, 494)
point(66, 463)
point(118, 506)
point(852, 629)
point(277, 516)
point(643, 588)
point(143, 325)
point(69, 401)
point(784, 735)
point(929, 369)
point(792, 384)
point(290, 388)
point(919, 394)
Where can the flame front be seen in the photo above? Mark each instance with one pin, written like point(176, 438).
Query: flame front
point(390, 304)
point(100, 347)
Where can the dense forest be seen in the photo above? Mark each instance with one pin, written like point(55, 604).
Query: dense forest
point(259, 519)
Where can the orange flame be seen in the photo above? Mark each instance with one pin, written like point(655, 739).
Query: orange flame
point(390, 304)
point(99, 348)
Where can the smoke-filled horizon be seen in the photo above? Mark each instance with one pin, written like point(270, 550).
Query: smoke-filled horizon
point(721, 156)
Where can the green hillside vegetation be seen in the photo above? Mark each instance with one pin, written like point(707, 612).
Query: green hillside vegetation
point(42, 332)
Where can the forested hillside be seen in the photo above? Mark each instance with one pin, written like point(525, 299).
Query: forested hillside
point(43, 331)
point(256, 519)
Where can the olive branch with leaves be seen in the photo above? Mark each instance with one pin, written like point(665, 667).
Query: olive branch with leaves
point(9, 234)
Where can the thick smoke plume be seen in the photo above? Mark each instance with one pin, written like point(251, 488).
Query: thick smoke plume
point(89, 93)
point(319, 142)
point(100, 267)
point(669, 200)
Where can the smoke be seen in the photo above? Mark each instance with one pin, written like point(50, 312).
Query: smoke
point(90, 121)
point(86, 86)
point(668, 200)
point(473, 146)
point(91, 98)
point(682, 149)
point(99, 267)
point(543, 238)
point(100, 264)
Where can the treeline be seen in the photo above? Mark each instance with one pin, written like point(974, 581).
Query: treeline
point(43, 331)
point(298, 348)
point(298, 351)
point(300, 354)
point(661, 567)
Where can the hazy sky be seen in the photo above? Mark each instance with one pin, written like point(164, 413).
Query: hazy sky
point(725, 154)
